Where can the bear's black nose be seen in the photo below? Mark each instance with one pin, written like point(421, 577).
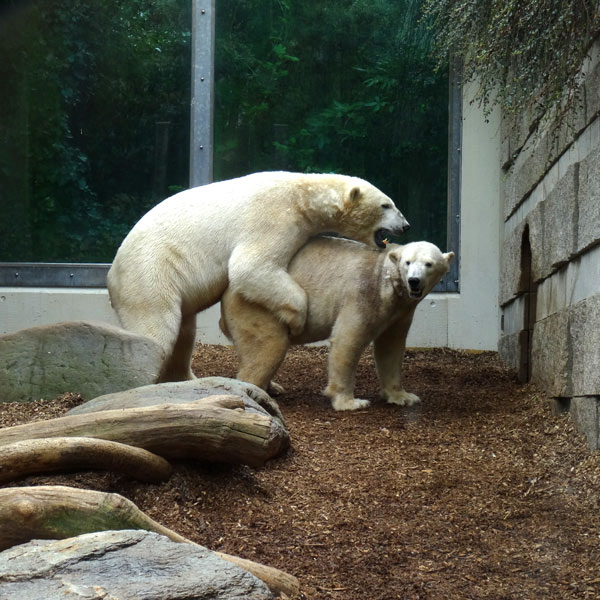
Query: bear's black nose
point(414, 283)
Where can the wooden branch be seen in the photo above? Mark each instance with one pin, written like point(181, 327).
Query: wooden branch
point(277, 581)
point(216, 429)
point(57, 512)
point(80, 453)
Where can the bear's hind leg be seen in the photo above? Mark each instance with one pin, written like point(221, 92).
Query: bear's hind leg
point(260, 340)
point(178, 366)
point(260, 360)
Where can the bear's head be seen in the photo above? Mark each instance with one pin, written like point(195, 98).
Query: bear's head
point(418, 267)
point(368, 215)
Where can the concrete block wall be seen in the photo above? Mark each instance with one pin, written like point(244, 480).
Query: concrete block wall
point(550, 263)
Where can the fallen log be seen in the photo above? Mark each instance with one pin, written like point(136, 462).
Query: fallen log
point(58, 512)
point(216, 428)
point(45, 455)
point(278, 581)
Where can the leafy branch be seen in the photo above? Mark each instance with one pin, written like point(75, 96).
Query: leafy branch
point(522, 53)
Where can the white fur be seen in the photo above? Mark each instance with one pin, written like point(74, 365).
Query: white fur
point(179, 258)
point(355, 296)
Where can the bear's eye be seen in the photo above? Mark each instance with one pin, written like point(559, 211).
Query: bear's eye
point(407, 263)
point(429, 264)
point(386, 206)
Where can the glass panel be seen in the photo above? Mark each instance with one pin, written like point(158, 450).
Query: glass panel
point(335, 86)
point(94, 126)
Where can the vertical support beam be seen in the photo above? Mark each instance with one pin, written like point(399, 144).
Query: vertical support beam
point(452, 279)
point(202, 101)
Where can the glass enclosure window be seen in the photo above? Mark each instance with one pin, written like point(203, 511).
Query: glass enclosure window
point(95, 119)
point(336, 86)
point(94, 122)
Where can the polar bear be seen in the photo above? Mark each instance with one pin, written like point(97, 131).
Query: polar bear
point(179, 258)
point(355, 296)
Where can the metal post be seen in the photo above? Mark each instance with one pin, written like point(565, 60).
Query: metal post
point(202, 102)
point(454, 169)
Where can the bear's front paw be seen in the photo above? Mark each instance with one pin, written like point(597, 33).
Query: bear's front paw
point(402, 398)
point(344, 403)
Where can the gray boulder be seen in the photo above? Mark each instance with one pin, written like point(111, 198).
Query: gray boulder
point(122, 565)
point(255, 398)
point(80, 356)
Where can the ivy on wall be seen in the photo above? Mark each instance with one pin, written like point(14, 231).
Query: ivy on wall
point(524, 53)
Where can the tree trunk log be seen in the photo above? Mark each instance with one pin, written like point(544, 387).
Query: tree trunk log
point(45, 455)
point(277, 581)
point(215, 429)
point(57, 512)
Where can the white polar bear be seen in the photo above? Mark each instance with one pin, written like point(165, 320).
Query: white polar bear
point(355, 296)
point(181, 256)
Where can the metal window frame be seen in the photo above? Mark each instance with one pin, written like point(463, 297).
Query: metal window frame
point(451, 281)
point(93, 275)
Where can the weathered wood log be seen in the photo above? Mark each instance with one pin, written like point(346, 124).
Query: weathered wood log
point(45, 455)
point(57, 512)
point(215, 429)
point(278, 581)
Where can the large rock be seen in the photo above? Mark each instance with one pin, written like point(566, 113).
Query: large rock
point(122, 565)
point(255, 398)
point(83, 357)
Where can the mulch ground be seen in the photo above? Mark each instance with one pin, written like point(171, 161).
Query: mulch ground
point(480, 492)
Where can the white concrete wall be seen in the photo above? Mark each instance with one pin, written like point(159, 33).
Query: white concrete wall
point(467, 320)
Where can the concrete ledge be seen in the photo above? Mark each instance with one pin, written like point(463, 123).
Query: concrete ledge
point(441, 320)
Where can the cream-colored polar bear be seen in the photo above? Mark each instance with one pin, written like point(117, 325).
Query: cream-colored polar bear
point(179, 258)
point(355, 296)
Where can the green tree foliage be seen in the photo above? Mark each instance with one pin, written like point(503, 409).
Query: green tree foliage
point(524, 53)
point(335, 86)
point(89, 88)
point(84, 84)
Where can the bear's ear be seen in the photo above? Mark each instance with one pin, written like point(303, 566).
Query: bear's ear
point(395, 255)
point(353, 197)
point(449, 256)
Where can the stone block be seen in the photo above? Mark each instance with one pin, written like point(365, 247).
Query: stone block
point(584, 337)
point(552, 294)
point(560, 222)
point(551, 368)
point(79, 356)
point(535, 220)
point(588, 223)
point(513, 316)
point(527, 171)
point(510, 265)
point(592, 83)
point(584, 411)
point(583, 276)
point(509, 350)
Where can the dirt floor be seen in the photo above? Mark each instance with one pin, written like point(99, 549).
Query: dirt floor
point(480, 492)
